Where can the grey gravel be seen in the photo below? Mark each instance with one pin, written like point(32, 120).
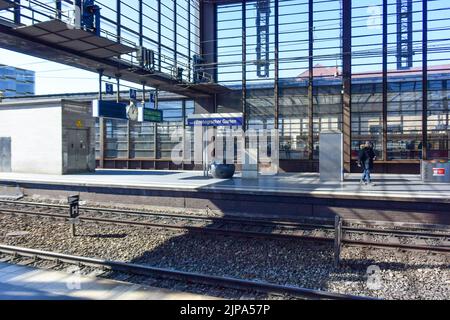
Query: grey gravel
point(402, 275)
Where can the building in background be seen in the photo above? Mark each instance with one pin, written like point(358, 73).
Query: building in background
point(16, 82)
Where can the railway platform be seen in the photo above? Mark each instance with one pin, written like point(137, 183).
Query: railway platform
point(393, 198)
point(26, 283)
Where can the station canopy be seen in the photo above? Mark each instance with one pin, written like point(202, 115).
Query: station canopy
point(6, 4)
point(65, 35)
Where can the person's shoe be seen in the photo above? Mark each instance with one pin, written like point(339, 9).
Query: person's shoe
point(361, 182)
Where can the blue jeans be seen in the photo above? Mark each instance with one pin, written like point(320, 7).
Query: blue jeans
point(366, 175)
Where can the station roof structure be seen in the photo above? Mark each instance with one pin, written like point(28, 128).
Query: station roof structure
point(114, 56)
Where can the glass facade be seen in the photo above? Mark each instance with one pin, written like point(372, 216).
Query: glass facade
point(16, 82)
point(378, 70)
point(126, 140)
point(394, 53)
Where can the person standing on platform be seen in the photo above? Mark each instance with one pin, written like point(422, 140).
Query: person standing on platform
point(366, 160)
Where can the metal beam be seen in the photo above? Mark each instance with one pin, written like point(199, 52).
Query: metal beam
point(263, 38)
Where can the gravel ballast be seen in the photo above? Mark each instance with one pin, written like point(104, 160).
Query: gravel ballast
point(398, 275)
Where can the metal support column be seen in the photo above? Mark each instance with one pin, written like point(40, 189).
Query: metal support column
point(405, 50)
point(425, 81)
point(347, 83)
point(155, 137)
point(184, 134)
point(385, 81)
point(58, 7)
point(175, 34)
point(445, 103)
point(119, 20)
point(159, 35)
point(17, 12)
point(144, 93)
point(208, 40)
point(311, 80)
point(101, 124)
point(337, 240)
point(141, 24)
point(189, 49)
point(118, 87)
point(244, 64)
point(277, 65)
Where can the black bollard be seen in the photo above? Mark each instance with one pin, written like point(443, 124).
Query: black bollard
point(337, 241)
point(74, 212)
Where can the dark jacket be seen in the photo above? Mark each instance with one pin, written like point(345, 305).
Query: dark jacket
point(366, 157)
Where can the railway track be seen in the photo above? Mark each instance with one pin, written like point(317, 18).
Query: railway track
point(234, 226)
point(33, 256)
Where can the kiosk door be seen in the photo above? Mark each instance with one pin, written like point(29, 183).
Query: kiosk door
point(5, 154)
point(78, 150)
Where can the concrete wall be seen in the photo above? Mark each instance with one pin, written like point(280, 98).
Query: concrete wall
point(35, 131)
point(42, 133)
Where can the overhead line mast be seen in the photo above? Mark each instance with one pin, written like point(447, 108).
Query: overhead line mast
point(405, 51)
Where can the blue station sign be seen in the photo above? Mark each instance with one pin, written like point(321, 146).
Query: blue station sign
point(216, 120)
point(109, 109)
point(109, 88)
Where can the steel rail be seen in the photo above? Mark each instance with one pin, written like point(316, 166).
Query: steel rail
point(201, 229)
point(259, 221)
point(144, 270)
point(217, 230)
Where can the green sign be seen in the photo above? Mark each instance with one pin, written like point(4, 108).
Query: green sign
point(153, 115)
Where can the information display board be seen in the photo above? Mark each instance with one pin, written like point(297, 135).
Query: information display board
point(109, 109)
point(123, 111)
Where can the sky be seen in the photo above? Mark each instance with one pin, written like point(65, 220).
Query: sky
point(52, 77)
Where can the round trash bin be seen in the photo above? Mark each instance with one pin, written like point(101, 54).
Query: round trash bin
point(223, 171)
